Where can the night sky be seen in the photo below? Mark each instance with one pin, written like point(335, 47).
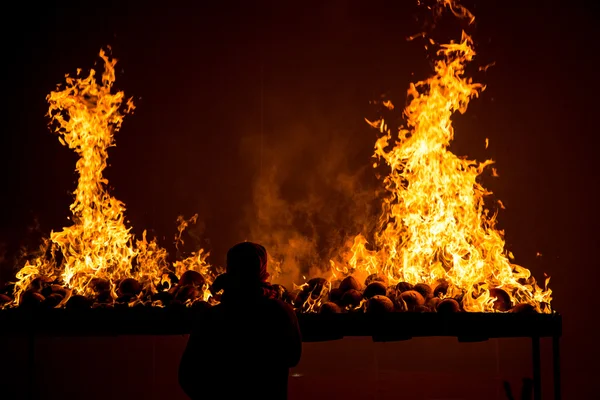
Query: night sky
point(210, 80)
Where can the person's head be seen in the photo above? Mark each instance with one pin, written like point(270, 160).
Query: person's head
point(247, 265)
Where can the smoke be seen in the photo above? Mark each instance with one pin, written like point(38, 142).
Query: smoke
point(313, 194)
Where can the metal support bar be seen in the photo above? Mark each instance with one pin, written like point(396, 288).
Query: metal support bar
point(556, 366)
point(537, 367)
point(31, 367)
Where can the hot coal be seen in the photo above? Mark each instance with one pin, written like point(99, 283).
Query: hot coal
point(350, 283)
point(351, 298)
point(424, 289)
point(412, 298)
point(433, 303)
point(376, 278)
point(404, 286)
point(440, 289)
point(448, 306)
point(502, 302)
point(375, 288)
point(379, 304)
point(348, 297)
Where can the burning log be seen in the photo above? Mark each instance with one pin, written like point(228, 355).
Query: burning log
point(78, 302)
point(375, 288)
point(351, 298)
point(404, 286)
point(502, 302)
point(350, 283)
point(412, 298)
point(129, 286)
point(448, 306)
point(424, 289)
point(379, 304)
point(330, 308)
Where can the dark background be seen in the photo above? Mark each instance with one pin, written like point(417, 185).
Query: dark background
point(207, 79)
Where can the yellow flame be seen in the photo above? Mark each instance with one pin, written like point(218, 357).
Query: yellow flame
point(434, 223)
point(85, 115)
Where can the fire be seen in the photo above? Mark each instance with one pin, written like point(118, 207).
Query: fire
point(98, 245)
point(435, 230)
point(434, 224)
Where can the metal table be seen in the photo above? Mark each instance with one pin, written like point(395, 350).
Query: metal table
point(466, 327)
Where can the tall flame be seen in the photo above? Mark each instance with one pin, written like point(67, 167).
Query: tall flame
point(435, 225)
point(85, 115)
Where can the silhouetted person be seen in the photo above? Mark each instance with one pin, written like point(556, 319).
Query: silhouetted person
point(244, 347)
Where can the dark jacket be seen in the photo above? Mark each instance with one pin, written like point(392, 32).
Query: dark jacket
point(242, 348)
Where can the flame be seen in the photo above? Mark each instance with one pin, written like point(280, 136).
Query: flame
point(98, 245)
point(434, 223)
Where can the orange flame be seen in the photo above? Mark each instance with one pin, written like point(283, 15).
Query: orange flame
point(434, 225)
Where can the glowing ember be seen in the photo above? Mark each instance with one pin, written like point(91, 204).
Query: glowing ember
point(98, 247)
point(435, 226)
